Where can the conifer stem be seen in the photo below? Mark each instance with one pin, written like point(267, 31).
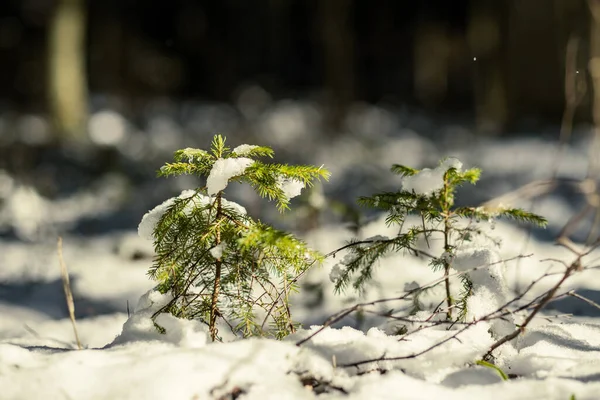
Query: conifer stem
point(447, 273)
point(217, 286)
point(447, 228)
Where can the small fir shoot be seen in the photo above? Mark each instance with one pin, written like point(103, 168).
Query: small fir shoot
point(218, 263)
point(429, 195)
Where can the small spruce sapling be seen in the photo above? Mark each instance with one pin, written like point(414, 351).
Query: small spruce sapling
point(428, 194)
point(218, 263)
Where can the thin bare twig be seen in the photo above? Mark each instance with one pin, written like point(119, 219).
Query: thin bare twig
point(550, 294)
point(68, 293)
point(583, 298)
point(359, 306)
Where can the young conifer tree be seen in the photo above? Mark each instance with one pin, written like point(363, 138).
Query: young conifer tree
point(428, 194)
point(218, 263)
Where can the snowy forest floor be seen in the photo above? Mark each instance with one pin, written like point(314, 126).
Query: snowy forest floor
point(97, 216)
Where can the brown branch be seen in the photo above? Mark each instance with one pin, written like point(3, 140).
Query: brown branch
point(573, 267)
point(217, 287)
point(549, 295)
point(414, 355)
point(359, 306)
point(583, 298)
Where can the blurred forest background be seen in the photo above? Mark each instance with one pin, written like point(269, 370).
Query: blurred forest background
point(115, 86)
point(500, 62)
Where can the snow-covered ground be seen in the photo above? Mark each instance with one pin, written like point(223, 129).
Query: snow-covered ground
point(124, 358)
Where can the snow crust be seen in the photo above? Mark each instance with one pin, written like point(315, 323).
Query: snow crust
point(428, 181)
point(485, 269)
point(555, 358)
point(349, 345)
point(140, 327)
point(141, 363)
point(224, 169)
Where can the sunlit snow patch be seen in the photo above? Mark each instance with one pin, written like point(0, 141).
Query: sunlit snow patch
point(485, 269)
point(348, 345)
point(26, 211)
point(140, 326)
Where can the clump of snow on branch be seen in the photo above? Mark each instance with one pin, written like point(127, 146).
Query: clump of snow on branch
point(428, 181)
point(151, 218)
point(224, 169)
point(336, 272)
point(217, 251)
point(339, 269)
point(291, 187)
point(193, 154)
point(376, 238)
point(226, 204)
point(244, 149)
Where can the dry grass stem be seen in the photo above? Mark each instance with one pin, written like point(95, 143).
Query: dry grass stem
point(68, 293)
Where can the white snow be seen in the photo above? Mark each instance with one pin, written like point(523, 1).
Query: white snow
point(428, 181)
point(193, 154)
point(340, 267)
point(125, 358)
point(26, 210)
point(32, 216)
point(486, 270)
point(291, 187)
point(376, 238)
point(336, 272)
point(182, 364)
point(349, 345)
point(217, 251)
point(151, 218)
point(244, 149)
point(224, 169)
point(554, 360)
point(140, 327)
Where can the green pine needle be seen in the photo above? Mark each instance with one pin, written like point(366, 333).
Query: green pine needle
point(439, 222)
point(202, 243)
